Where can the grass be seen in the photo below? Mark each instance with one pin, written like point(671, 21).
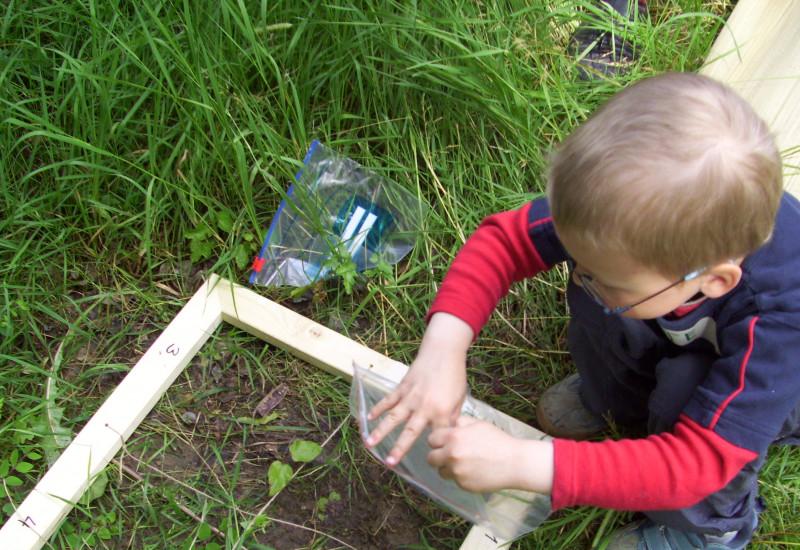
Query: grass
point(144, 145)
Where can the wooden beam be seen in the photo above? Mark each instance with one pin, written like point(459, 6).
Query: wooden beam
point(36, 519)
point(758, 54)
point(39, 515)
point(300, 336)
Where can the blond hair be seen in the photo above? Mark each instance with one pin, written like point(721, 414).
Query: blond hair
point(676, 171)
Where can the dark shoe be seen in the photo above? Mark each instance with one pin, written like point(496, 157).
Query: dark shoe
point(602, 52)
point(648, 535)
point(561, 413)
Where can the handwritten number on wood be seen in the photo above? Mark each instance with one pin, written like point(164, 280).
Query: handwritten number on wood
point(172, 350)
point(25, 522)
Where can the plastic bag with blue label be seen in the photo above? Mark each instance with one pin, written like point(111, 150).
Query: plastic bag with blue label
point(337, 212)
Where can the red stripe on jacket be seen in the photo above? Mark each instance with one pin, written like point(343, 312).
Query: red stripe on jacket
point(742, 370)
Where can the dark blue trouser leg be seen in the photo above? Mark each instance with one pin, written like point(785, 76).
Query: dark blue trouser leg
point(616, 358)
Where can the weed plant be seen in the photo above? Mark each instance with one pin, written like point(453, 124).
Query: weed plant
point(144, 145)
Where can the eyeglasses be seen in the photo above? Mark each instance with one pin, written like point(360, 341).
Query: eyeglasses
point(591, 287)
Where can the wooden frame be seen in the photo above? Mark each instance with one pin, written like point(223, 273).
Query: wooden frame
point(218, 300)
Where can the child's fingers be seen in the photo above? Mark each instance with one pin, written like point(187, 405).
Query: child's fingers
point(439, 437)
point(413, 429)
point(437, 459)
point(384, 405)
point(394, 418)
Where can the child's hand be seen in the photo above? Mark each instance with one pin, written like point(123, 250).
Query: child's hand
point(433, 390)
point(482, 458)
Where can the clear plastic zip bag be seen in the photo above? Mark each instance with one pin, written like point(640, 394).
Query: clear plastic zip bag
point(508, 514)
point(337, 211)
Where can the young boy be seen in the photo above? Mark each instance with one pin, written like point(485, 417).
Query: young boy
point(685, 314)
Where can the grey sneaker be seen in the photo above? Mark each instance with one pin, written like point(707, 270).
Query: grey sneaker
point(561, 413)
point(648, 535)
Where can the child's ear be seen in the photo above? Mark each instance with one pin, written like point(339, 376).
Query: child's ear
point(721, 279)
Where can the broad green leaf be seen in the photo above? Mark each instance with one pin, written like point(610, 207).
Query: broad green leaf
point(67, 528)
point(73, 540)
point(13, 481)
point(304, 451)
point(200, 250)
point(204, 532)
point(279, 476)
point(97, 487)
point(224, 221)
point(201, 233)
point(55, 437)
point(242, 257)
point(258, 421)
point(260, 521)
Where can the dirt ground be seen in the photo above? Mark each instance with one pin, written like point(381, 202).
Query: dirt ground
point(203, 433)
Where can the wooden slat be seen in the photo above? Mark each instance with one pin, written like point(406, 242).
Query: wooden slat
point(300, 336)
point(37, 518)
point(758, 54)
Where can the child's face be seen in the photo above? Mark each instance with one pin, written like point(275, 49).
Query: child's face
point(623, 282)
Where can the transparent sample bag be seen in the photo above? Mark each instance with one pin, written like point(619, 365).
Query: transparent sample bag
point(500, 513)
point(336, 212)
